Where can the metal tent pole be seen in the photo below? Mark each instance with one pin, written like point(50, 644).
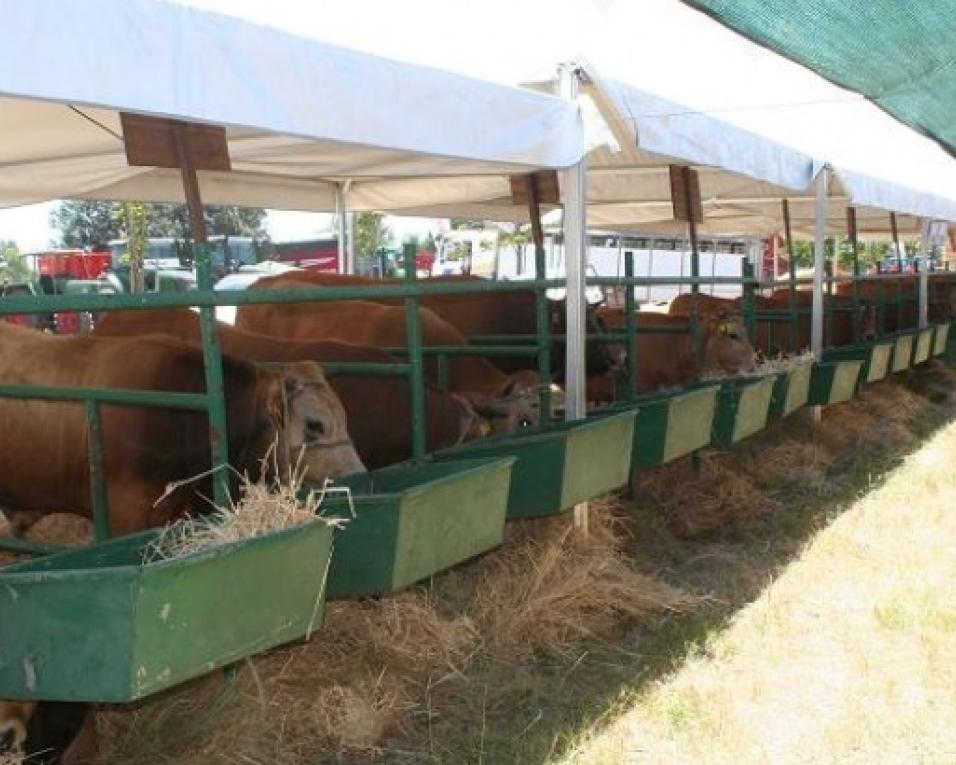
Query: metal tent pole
point(350, 243)
point(924, 275)
point(341, 234)
point(819, 261)
point(574, 192)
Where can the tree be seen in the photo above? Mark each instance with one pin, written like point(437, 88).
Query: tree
point(515, 235)
point(13, 266)
point(92, 224)
point(371, 233)
point(87, 224)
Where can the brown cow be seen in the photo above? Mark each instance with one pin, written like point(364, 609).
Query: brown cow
point(667, 359)
point(894, 317)
point(45, 468)
point(378, 408)
point(773, 336)
point(510, 399)
point(479, 313)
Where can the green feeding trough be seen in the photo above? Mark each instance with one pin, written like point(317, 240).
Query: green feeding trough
point(98, 625)
point(670, 426)
point(940, 339)
point(902, 352)
point(556, 469)
point(876, 358)
point(924, 346)
point(791, 391)
point(742, 409)
point(834, 382)
point(412, 521)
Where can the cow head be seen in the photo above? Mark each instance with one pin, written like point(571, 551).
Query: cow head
point(727, 347)
point(513, 407)
point(311, 424)
point(14, 718)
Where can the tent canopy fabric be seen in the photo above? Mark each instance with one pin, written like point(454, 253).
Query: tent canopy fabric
point(300, 115)
point(897, 54)
point(634, 136)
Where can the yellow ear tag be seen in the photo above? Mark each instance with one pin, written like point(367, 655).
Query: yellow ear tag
point(484, 428)
point(723, 329)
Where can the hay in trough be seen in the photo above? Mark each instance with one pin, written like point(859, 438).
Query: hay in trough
point(11, 758)
point(61, 529)
point(264, 507)
point(57, 529)
point(782, 364)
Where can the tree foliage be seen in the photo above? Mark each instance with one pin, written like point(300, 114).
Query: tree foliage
point(82, 223)
point(13, 266)
point(371, 233)
point(868, 254)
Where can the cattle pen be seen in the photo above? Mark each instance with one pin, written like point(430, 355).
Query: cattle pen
point(167, 622)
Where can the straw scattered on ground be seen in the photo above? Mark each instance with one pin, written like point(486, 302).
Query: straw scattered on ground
point(517, 655)
point(703, 495)
point(383, 675)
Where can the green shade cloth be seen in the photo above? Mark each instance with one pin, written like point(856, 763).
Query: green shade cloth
point(897, 53)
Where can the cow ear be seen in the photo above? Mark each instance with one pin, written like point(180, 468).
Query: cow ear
point(509, 388)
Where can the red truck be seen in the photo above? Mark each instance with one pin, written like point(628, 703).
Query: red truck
point(55, 271)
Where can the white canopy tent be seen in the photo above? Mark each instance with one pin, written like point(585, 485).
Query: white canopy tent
point(633, 137)
point(300, 115)
point(302, 119)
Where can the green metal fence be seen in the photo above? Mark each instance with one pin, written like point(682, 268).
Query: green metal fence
point(213, 400)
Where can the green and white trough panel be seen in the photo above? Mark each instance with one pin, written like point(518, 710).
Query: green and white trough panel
point(834, 382)
point(98, 625)
point(413, 521)
point(940, 338)
point(742, 409)
point(555, 469)
point(924, 346)
point(876, 358)
point(902, 352)
point(673, 425)
point(791, 391)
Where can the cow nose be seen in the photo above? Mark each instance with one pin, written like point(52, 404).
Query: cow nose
point(8, 740)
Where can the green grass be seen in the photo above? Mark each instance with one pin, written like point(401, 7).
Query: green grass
point(845, 655)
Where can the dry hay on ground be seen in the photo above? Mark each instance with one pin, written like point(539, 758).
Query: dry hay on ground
point(788, 463)
point(730, 491)
point(698, 500)
point(559, 589)
point(382, 674)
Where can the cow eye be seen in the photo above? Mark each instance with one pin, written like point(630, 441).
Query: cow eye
point(733, 335)
point(315, 427)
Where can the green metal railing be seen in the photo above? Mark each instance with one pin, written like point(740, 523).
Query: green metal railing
point(535, 346)
point(213, 400)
